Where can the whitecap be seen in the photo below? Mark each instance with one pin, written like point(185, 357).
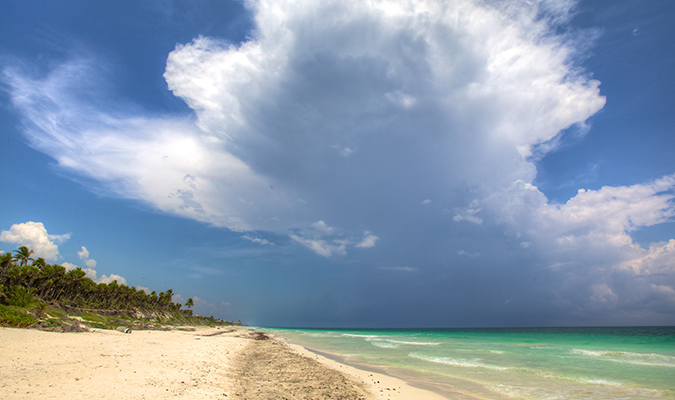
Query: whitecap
point(567, 392)
point(645, 359)
point(458, 362)
point(598, 381)
point(414, 343)
point(383, 344)
point(361, 336)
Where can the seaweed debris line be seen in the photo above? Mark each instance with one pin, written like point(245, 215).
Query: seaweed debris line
point(269, 369)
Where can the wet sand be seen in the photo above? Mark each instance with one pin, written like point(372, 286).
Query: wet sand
point(207, 363)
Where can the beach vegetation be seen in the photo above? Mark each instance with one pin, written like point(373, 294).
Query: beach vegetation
point(44, 293)
point(19, 296)
point(52, 322)
point(93, 317)
point(55, 312)
point(15, 317)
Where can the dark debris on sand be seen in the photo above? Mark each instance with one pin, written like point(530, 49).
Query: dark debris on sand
point(267, 369)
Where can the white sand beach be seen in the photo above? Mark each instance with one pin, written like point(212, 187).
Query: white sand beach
point(205, 363)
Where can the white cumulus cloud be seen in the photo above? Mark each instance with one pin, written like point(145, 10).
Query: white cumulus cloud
point(322, 247)
point(587, 240)
point(34, 236)
point(469, 86)
point(112, 277)
point(84, 256)
point(368, 241)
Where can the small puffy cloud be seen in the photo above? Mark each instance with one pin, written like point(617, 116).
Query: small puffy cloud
point(368, 241)
point(91, 274)
point(325, 241)
point(34, 236)
point(322, 247)
point(143, 288)
point(426, 202)
point(263, 242)
point(90, 270)
point(84, 256)
point(467, 216)
point(112, 277)
point(313, 239)
point(178, 299)
point(68, 266)
point(322, 228)
point(200, 302)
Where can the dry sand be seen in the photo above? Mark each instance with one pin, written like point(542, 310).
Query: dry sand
point(207, 363)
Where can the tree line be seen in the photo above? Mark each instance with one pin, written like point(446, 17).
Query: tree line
point(22, 276)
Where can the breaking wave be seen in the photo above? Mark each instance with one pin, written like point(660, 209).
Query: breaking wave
point(458, 362)
point(413, 343)
point(649, 359)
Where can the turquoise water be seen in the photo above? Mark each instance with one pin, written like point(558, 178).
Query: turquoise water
point(531, 363)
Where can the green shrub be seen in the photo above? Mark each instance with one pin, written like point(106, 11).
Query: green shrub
point(19, 296)
point(51, 322)
point(14, 318)
point(93, 317)
point(3, 295)
point(56, 312)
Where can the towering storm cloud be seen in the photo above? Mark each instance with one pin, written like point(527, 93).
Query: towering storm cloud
point(408, 132)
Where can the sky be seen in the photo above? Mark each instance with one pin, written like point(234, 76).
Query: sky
point(468, 163)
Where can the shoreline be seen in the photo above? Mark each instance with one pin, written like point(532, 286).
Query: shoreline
point(445, 392)
point(204, 363)
point(381, 383)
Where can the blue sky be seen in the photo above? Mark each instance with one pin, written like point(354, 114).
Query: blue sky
point(341, 164)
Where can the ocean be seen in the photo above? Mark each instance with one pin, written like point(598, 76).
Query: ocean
point(514, 363)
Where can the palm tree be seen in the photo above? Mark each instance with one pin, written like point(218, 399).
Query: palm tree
point(169, 295)
point(40, 263)
point(189, 303)
point(23, 255)
point(6, 261)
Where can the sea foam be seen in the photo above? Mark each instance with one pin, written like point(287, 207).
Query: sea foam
point(649, 359)
point(413, 343)
point(458, 362)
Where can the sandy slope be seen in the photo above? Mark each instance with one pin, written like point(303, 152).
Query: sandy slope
point(208, 363)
